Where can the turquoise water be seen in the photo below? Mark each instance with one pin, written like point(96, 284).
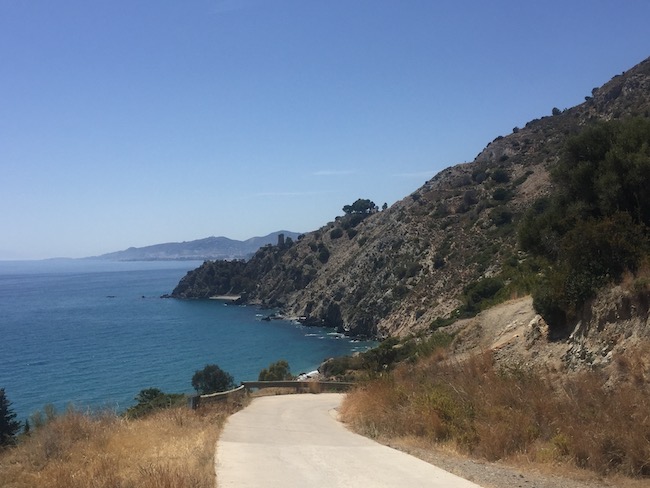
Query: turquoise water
point(93, 334)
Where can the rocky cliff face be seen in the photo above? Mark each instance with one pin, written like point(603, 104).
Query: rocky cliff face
point(400, 270)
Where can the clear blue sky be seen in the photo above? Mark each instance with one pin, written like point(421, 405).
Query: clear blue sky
point(135, 122)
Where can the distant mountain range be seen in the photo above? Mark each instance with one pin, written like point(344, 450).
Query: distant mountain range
point(210, 248)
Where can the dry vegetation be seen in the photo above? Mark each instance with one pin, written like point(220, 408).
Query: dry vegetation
point(169, 448)
point(503, 414)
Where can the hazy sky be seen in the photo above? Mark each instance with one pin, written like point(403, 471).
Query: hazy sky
point(135, 122)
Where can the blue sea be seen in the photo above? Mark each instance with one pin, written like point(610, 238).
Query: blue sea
point(92, 334)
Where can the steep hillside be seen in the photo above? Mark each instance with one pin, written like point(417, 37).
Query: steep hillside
point(438, 252)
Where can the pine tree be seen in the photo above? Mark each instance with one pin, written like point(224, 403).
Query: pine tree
point(9, 426)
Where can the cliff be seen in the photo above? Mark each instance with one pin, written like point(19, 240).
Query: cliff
point(438, 252)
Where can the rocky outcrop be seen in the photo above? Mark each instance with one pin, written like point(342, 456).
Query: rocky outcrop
point(617, 319)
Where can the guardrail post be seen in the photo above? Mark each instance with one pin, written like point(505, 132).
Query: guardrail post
point(194, 401)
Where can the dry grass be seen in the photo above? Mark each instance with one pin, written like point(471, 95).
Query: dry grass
point(495, 414)
point(169, 448)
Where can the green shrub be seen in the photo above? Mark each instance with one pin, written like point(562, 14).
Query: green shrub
point(500, 175)
point(439, 322)
point(400, 291)
point(278, 371)
point(480, 291)
point(501, 194)
point(212, 379)
point(153, 399)
point(479, 175)
point(323, 253)
point(595, 225)
point(500, 216)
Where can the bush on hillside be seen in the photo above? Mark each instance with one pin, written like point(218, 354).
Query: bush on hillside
point(500, 175)
point(595, 225)
point(323, 253)
point(478, 292)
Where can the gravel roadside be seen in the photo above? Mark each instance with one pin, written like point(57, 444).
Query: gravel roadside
point(496, 475)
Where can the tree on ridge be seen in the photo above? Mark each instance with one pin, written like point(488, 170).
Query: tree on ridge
point(9, 426)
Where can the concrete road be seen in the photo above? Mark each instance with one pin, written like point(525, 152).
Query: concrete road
point(295, 441)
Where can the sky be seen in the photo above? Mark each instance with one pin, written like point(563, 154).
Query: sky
point(137, 122)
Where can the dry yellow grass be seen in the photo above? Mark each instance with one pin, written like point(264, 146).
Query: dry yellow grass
point(580, 420)
point(169, 448)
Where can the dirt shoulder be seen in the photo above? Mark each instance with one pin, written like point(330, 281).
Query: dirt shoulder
point(498, 475)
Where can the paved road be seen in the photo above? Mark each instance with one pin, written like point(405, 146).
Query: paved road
point(294, 441)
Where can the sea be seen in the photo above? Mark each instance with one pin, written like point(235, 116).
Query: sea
point(92, 334)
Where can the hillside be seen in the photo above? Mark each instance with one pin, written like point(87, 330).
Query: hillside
point(431, 256)
point(199, 249)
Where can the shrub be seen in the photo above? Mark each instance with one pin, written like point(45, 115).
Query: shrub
point(212, 379)
point(336, 233)
point(152, 399)
point(442, 210)
point(278, 371)
point(323, 253)
point(501, 216)
point(470, 197)
point(501, 194)
point(479, 175)
point(479, 291)
point(595, 225)
point(500, 175)
point(349, 221)
point(340, 366)
point(400, 291)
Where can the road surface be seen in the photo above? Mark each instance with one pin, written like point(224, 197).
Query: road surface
point(295, 441)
